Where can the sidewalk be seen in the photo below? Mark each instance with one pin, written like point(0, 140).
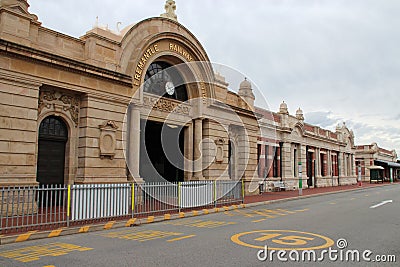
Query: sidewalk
point(268, 196)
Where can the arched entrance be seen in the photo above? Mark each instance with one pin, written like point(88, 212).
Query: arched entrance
point(161, 143)
point(53, 136)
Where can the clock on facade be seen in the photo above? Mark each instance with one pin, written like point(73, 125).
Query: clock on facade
point(170, 88)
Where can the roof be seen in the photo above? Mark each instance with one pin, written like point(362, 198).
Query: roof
point(388, 163)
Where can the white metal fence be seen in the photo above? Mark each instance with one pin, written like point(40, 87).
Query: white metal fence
point(52, 206)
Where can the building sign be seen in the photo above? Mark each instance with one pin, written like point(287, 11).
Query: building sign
point(155, 49)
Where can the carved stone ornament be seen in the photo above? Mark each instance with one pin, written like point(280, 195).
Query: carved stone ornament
point(60, 102)
point(108, 141)
point(219, 157)
point(165, 105)
point(170, 8)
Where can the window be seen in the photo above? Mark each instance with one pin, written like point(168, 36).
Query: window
point(267, 167)
point(158, 74)
point(295, 162)
point(258, 160)
point(276, 162)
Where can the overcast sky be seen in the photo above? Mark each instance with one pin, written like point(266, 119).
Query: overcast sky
point(339, 60)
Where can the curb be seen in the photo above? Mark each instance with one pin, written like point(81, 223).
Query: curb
point(33, 235)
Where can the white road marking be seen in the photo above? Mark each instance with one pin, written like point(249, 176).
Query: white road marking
point(380, 204)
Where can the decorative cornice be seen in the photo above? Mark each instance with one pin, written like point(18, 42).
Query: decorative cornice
point(28, 53)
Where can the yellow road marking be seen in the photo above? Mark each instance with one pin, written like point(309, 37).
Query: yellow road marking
point(200, 223)
point(55, 233)
point(302, 210)
point(287, 211)
point(109, 225)
point(275, 212)
point(244, 213)
point(294, 238)
point(260, 220)
point(24, 237)
point(84, 229)
point(228, 213)
point(180, 238)
point(141, 236)
point(130, 222)
point(34, 253)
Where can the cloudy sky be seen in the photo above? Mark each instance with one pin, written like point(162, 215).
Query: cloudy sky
point(337, 60)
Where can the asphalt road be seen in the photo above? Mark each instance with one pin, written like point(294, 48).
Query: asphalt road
point(234, 238)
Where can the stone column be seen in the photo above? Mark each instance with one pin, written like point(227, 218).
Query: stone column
point(261, 161)
point(197, 155)
point(286, 160)
point(188, 163)
point(134, 144)
point(329, 163)
point(317, 162)
point(343, 165)
point(353, 163)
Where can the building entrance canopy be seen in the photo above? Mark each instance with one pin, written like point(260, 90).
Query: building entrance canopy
point(387, 163)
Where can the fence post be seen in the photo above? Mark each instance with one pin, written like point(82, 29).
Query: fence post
point(68, 204)
point(133, 199)
point(215, 193)
point(179, 196)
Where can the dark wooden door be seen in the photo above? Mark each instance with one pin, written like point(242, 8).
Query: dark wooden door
point(53, 135)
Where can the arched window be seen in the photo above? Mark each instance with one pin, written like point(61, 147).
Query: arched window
point(53, 127)
point(164, 80)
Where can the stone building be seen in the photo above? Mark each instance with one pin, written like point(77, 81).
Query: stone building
point(286, 141)
point(92, 110)
point(370, 156)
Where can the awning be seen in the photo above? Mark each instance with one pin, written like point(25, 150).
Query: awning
point(375, 167)
point(388, 163)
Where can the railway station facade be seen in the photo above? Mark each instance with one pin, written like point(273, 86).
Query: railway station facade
point(105, 108)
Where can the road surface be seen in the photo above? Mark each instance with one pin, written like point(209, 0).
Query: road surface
point(312, 228)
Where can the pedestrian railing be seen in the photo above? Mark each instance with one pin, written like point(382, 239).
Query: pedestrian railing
point(26, 208)
point(53, 206)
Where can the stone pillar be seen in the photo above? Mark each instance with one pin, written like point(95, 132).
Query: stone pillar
point(344, 164)
point(303, 160)
point(261, 161)
point(198, 161)
point(317, 162)
point(134, 145)
point(188, 164)
point(286, 160)
point(329, 163)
